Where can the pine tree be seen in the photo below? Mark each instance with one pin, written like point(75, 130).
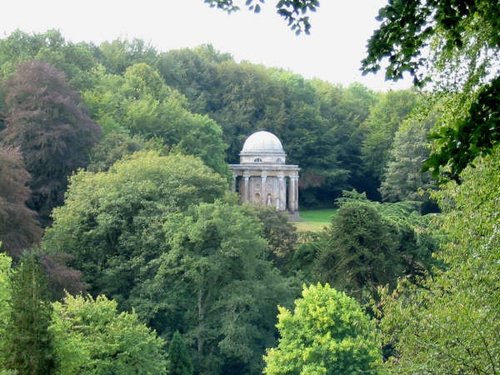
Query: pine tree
point(179, 358)
point(29, 344)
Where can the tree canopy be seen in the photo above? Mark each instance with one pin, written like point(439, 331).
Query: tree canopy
point(453, 44)
point(370, 244)
point(216, 284)
point(92, 337)
point(29, 346)
point(19, 227)
point(111, 221)
point(46, 120)
point(449, 323)
point(326, 333)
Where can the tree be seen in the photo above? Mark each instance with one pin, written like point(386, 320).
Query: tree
point(193, 72)
point(407, 28)
point(141, 104)
point(112, 221)
point(453, 44)
point(92, 337)
point(18, 224)
point(403, 178)
point(29, 344)
point(5, 303)
point(448, 323)
point(46, 120)
point(371, 244)
point(281, 235)
point(179, 359)
point(215, 284)
point(475, 134)
point(115, 146)
point(120, 54)
point(76, 60)
point(326, 333)
point(384, 120)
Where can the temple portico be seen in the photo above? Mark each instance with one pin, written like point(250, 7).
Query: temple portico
point(262, 177)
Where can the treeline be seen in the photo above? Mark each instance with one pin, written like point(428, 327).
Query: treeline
point(202, 102)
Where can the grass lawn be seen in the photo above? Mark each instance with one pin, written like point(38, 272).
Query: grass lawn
point(314, 220)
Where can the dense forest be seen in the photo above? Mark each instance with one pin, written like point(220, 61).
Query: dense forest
point(123, 250)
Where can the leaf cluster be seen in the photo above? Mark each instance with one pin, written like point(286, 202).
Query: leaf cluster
point(449, 322)
point(475, 135)
point(92, 337)
point(326, 333)
point(293, 11)
point(408, 27)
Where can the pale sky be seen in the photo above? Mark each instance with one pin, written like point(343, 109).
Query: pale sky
point(333, 51)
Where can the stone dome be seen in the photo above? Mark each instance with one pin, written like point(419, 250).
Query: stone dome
point(262, 142)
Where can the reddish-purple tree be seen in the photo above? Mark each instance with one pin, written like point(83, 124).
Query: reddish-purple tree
point(45, 118)
point(19, 227)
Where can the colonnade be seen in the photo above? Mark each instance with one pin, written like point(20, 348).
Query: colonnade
point(268, 187)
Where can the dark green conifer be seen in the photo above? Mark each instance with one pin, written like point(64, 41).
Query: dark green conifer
point(179, 358)
point(29, 345)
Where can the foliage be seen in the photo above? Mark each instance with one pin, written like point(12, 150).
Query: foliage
point(179, 360)
point(115, 146)
point(18, 224)
point(194, 73)
point(371, 244)
point(215, 284)
point(403, 179)
point(116, 56)
point(140, 103)
point(28, 343)
point(61, 277)
point(454, 44)
point(112, 221)
point(280, 234)
point(19, 229)
point(293, 11)
point(92, 337)
point(327, 333)
point(76, 60)
point(449, 323)
point(408, 27)
point(474, 135)
point(5, 302)
point(46, 121)
point(381, 125)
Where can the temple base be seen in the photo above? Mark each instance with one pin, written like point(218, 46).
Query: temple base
point(294, 216)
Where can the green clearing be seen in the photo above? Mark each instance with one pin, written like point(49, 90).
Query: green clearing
point(314, 220)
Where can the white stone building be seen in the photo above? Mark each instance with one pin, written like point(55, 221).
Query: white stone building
point(263, 178)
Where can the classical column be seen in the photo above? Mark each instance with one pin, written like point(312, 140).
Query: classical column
point(246, 190)
point(263, 195)
point(233, 187)
point(281, 193)
point(290, 194)
point(295, 193)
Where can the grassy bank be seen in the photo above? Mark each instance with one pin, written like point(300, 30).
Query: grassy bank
point(314, 220)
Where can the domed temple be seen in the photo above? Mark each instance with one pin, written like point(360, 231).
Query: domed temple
point(262, 177)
